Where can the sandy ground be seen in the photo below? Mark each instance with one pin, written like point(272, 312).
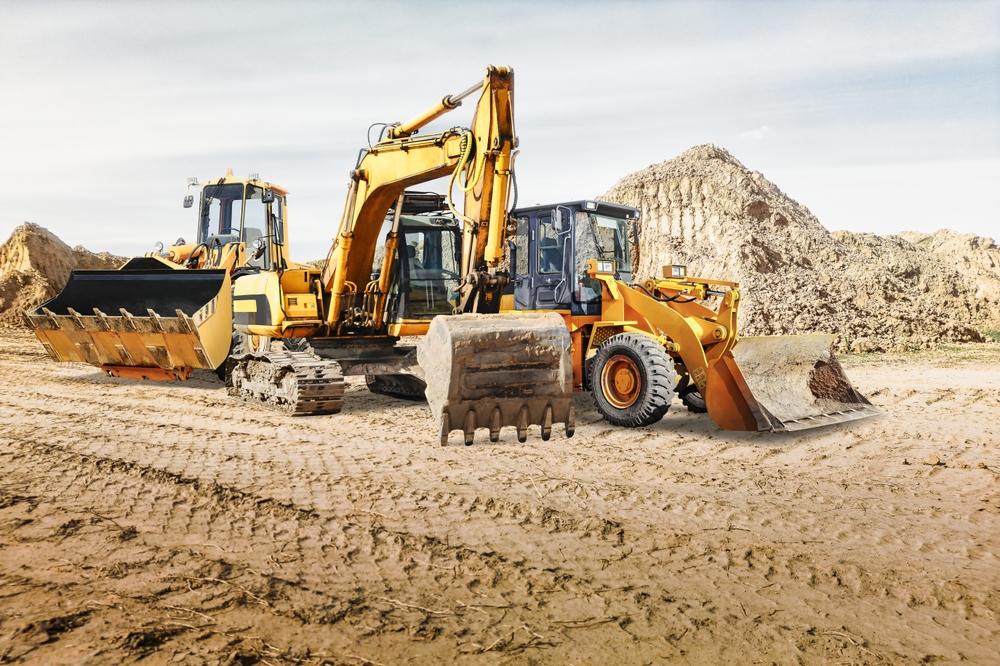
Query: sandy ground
point(173, 524)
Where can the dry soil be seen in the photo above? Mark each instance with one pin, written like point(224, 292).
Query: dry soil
point(706, 210)
point(170, 523)
point(35, 265)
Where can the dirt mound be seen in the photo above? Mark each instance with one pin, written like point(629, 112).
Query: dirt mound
point(977, 260)
point(34, 267)
point(708, 211)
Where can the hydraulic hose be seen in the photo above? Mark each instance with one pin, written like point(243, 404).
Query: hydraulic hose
point(463, 160)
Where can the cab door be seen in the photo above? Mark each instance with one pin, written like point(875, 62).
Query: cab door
point(540, 262)
point(548, 254)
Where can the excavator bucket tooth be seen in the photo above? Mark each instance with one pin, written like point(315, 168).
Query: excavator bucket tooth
point(782, 382)
point(491, 371)
point(138, 321)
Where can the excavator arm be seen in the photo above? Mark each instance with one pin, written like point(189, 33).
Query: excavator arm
point(478, 159)
point(481, 369)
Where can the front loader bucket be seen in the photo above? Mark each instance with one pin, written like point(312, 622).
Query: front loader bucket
point(140, 322)
point(490, 371)
point(782, 382)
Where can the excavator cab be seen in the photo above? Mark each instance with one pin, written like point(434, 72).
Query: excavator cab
point(427, 276)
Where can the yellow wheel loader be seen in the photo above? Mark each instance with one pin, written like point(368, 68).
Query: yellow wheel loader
point(164, 314)
point(515, 311)
point(636, 342)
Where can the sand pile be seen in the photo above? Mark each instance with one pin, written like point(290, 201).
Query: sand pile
point(705, 209)
point(977, 260)
point(34, 267)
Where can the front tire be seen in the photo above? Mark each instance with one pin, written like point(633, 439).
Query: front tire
point(694, 401)
point(632, 380)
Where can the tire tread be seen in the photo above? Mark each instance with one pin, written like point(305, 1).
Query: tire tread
point(658, 368)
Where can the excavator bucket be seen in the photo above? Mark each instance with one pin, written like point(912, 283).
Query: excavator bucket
point(143, 321)
point(782, 382)
point(491, 371)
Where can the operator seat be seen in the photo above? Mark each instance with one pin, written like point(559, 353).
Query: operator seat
point(411, 257)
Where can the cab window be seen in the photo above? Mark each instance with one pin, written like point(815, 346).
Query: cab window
point(255, 228)
point(550, 247)
point(432, 270)
point(221, 213)
point(277, 219)
point(521, 243)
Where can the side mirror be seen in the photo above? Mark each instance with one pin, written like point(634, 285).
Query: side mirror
point(562, 219)
point(189, 201)
point(267, 197)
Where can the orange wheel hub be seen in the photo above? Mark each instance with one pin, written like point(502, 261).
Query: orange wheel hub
point(621, 381)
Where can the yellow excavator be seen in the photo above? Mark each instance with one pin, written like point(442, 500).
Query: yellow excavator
point(515, 307)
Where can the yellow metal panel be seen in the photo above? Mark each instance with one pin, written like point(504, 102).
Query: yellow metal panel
point(301, 305)
point(409, 327)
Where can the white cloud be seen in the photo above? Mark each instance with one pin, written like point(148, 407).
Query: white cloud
point(918, 196)
point(756, 134)
point(109, 106)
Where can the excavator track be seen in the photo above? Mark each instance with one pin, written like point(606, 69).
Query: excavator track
point(298, 383)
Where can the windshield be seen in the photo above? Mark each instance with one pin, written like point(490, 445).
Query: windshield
point(432, 258)
point(603, 237)
point(221, 210)
point(600, 237)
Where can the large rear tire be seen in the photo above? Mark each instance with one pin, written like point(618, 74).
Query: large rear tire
point(632, 380)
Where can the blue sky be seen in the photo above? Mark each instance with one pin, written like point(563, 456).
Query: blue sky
point(877, 116)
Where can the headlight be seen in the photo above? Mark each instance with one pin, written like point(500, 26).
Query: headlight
point(605, 267)
point(678, 271)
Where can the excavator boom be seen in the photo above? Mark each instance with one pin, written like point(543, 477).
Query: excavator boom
point(477, 371)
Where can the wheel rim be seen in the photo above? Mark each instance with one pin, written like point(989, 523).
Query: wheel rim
point(621, 381)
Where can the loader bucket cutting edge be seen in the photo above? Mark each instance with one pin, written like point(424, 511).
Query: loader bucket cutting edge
point(491, 371)
point(167, 321)
point(782, 382)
